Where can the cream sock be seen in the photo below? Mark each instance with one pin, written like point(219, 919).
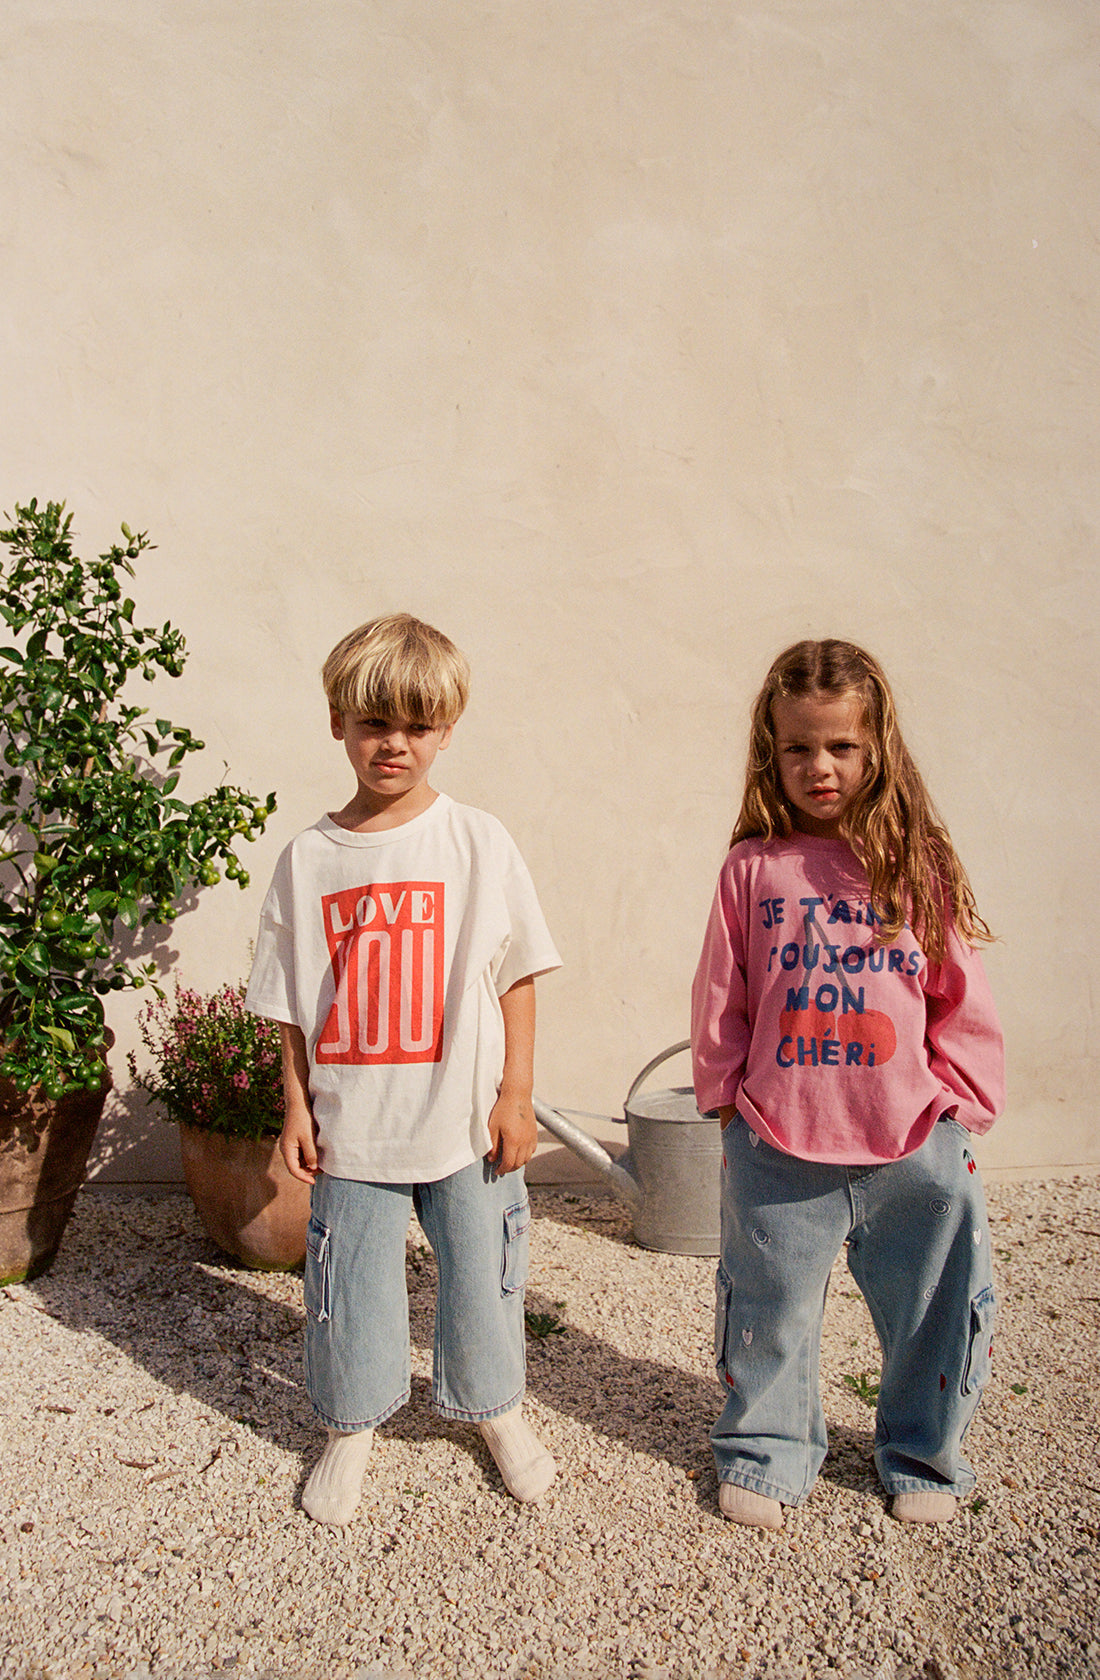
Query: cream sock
point(332, 1492)
point(524, 1463)
point(742, 1505)
point(927, 1506)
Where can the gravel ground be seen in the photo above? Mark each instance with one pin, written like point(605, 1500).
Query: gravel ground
point(156, 1436)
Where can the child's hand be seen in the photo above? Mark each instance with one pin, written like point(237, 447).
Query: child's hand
point(298, 1144)
point(514, 1132)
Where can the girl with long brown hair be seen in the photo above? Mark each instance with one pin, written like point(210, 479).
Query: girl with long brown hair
point(844, 1031)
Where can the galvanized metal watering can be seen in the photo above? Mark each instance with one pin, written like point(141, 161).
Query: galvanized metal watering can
point(669, 1174)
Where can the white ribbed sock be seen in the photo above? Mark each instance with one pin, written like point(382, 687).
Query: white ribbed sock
point(742, 1505)
point(524, 1463)
point(331, 1494)
point(926, 1506)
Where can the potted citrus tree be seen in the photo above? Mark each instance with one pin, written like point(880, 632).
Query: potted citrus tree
point(216, 1071)
point(94, 842)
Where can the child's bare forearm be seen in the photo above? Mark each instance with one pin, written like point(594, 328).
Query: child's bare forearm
point(298, 1140)
point(518, 1008)
point(512, 1126)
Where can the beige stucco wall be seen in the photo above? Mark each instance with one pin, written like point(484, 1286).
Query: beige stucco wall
point(628, 343)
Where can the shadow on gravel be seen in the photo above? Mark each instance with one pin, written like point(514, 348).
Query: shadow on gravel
point(168, 1300)
point(850, 1462)
point(158, 1290)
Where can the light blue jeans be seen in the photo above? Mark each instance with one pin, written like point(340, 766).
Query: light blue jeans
point(918, 1247)
point(357, 1310)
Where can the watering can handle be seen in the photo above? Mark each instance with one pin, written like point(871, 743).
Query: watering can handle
point(674, 1050)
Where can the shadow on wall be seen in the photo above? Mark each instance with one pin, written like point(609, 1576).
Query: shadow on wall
point(135, 1144)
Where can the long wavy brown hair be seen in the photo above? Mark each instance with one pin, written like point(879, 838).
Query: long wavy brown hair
point(913, 870)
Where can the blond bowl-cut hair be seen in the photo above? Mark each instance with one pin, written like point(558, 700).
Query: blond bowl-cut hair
point(397, 667)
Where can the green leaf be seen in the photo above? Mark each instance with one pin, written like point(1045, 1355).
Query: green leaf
point(80, 1003)
point(128, 912)
point(36, 958)
point(62, 1036)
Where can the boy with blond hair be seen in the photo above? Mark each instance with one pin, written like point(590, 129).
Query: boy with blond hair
point(398, 948)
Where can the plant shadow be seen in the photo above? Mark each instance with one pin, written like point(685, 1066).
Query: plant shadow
point(133, 1131)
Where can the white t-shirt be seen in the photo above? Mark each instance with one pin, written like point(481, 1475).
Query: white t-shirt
point(390, 951)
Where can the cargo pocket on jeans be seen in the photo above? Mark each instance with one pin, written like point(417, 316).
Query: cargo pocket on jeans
point(722, 1288)
point(316, 1294)
point(979, 1356)
point(517, 1225)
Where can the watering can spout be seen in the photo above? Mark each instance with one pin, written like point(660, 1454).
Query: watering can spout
point(669, 1174)
point(593, 1154)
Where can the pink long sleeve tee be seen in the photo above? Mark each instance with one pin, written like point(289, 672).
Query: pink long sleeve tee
point(833, 1046)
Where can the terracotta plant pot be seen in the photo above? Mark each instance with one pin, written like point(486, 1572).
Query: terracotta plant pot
point(44, 1149)
point(246, 1199)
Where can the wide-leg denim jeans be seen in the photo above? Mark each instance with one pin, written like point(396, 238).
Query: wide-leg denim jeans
point(357, 1311)
point(918, 1248)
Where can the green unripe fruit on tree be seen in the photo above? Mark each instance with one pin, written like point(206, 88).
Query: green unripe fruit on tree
point(123, 846)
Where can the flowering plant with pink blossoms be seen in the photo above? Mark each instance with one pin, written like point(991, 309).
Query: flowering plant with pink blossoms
point(215, 1066)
